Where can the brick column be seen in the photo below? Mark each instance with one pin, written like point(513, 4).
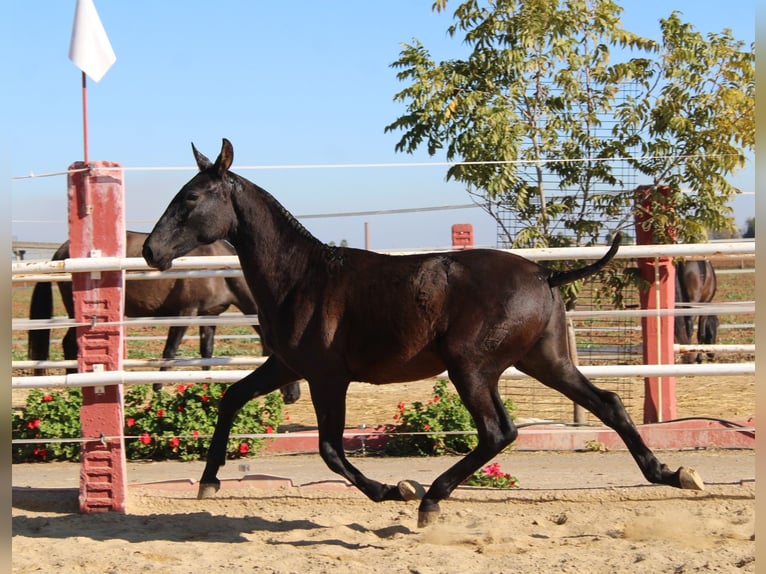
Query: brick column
point(660, 293)
point(97, 229)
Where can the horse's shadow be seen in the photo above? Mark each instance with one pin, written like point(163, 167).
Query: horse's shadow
point(172, 527)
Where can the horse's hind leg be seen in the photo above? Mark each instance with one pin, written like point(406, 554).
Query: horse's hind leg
point(707, 333)
point(267, 378)
point(69, 343)
point(560, 373)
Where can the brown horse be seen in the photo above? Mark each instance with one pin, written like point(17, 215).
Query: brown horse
point(185, 297)
point(335, 315)
point(695, 283)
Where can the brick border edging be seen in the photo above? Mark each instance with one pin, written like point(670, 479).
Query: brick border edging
point(684, 434)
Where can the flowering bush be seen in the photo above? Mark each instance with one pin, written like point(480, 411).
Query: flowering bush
point(48, 415)
point(160, 426)
point(493, 477)
point(445, 412)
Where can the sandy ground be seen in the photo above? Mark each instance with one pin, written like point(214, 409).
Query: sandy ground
point(575, 512)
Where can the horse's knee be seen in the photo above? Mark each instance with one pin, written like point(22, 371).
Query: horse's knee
point(505, 437)
point(231, 401)
point(510, 435)
point(493, 440)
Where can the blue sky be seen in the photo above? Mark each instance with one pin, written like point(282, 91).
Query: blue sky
point(287, 82)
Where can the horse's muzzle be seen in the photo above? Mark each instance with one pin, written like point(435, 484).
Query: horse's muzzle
point(151, 260)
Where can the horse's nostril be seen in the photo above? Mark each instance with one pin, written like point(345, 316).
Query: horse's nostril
point(147, 253)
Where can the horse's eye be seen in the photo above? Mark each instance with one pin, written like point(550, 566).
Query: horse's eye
point(192, 197)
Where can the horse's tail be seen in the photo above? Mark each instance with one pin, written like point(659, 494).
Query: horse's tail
point(557, 278)
point(41, 307)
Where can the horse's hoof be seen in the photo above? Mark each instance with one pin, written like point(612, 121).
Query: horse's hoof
point(207, 490)
point(411, 490)
point(690, 479)
point(427, 517)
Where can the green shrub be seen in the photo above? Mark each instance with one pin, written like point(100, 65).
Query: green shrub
point(48, 415)
point(443, 413)
point(172, 424)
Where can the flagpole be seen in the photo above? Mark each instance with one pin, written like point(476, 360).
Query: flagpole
point(85, 118)
point(91, 51)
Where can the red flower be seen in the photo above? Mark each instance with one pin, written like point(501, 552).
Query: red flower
point(181, 388)
point(494, 470)
point(47, 398)
point(287, 416)
point(180, 408)
point(243, 448)
point(396, 417)
point(426, 427)
point(269, 429)
point(401, 406)
point(160, 413)
point(130, 421)
point(204, 385)
point(41, 452)
point(33, 424)
point(204, 398)
point(145, 438)
point(195, 433)
point(174, 442)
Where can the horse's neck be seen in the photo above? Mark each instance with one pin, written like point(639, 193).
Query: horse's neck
point(274, 249)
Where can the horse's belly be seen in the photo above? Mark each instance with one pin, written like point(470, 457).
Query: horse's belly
point(399, 370)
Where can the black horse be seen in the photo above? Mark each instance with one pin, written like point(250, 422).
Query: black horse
point(185, 297)
point(336, 315)
point(695, 283)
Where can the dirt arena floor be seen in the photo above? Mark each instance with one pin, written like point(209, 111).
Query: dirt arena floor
point(574, 512)
point(597, 515)
point(595, 519)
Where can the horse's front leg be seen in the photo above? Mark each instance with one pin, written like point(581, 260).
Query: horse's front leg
point(267, 378)
point(329, 401)
point(495, 431)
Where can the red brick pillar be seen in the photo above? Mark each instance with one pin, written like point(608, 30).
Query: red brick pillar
point(462, 236)
point(97, 229)
point(660, 274)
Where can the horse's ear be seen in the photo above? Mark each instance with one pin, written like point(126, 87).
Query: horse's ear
point(202, 162)
point(223, 163)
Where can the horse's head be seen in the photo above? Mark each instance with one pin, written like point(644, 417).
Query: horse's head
point(200, 213)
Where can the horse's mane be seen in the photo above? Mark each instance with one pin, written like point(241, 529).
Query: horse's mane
point(330, 251)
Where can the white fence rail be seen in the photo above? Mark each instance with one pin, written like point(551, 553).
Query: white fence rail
point(137, 268)
point(139, 377)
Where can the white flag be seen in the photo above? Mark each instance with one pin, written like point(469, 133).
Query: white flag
point(90, 49)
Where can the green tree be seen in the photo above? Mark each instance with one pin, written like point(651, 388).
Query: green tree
point(537, 84)
point(693, 123)
point(535, 87)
